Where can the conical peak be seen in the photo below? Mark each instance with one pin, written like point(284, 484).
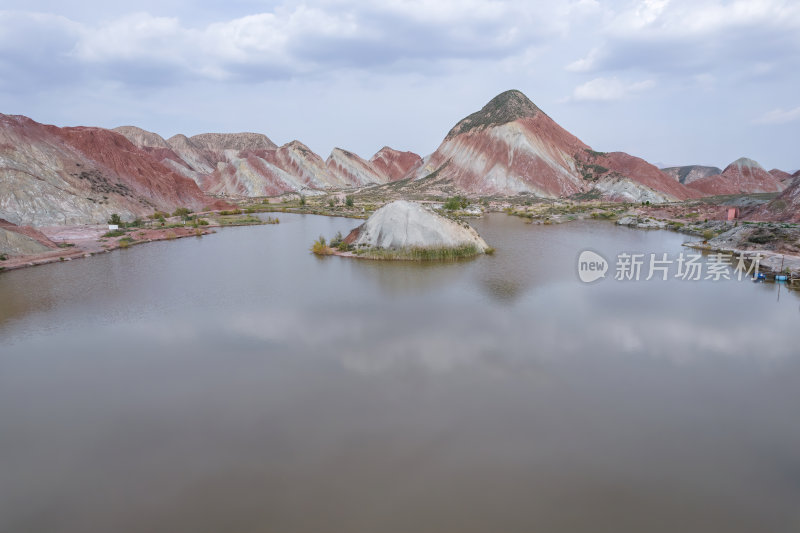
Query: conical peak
point(505, 107)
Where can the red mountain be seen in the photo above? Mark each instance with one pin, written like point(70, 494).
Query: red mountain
point(780, 175)
point(511, 146)
point(250, 164)
point(350, 168)
point(395, 164)
point(743, 176)
point(54, 175)
point(785, 207)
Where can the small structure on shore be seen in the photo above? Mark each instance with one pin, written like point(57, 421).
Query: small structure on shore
point(408, 230)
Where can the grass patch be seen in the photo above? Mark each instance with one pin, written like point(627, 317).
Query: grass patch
point(320, 247)
point(239, 220)
point(115, 233)
point(422, 254)
point(604, 215)
point(762, 236)
point(455, 203)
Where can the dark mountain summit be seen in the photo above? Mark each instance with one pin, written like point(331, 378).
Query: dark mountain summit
point(503, 108)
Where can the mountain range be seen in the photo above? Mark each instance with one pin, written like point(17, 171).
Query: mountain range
point(51, 175)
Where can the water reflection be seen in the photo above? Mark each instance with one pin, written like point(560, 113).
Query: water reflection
point(238, 380)
point(402, 277)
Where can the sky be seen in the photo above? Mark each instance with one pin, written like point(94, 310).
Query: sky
point(676, 82)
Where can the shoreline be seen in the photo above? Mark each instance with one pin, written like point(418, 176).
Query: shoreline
point(87, 240)
point(95, 247)
point(770, 263)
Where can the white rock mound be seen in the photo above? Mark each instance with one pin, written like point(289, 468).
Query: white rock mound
point(402, 225)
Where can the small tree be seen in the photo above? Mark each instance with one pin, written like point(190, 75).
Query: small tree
point(115, 219)
point(348, 201)
point(457, 202)
point(320, 246)
point(302, 200)
point(182, 212)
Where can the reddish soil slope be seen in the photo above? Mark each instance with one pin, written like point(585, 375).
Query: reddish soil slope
point(743, 176)
point(54, 175)
point(511, 146)
point(395, 164)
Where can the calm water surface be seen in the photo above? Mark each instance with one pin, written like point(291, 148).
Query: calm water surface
point(239, 383)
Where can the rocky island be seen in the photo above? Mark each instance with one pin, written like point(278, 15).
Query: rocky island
point(404, 230)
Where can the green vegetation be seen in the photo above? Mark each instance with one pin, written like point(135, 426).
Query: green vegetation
point(115, 219)
point(348, 201)
point(3, 257)
point(182, 212)
point(421, 254)
point(762, 236)
point(338, 243)
point(709, 234)
point(320, 247)
point(115, 233)
point(455, 203)
point(591, 172)
point(302, 200)
point(245, 220)
point(590, 195)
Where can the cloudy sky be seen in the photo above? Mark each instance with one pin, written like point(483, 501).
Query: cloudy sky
point(673, 81)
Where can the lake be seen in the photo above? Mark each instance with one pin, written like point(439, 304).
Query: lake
point(236, 382)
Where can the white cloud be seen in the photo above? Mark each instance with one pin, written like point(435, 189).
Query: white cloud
point(587, 63)
point(291, 39)
point(609, 89)
point(779, 116)
point(696, 35)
